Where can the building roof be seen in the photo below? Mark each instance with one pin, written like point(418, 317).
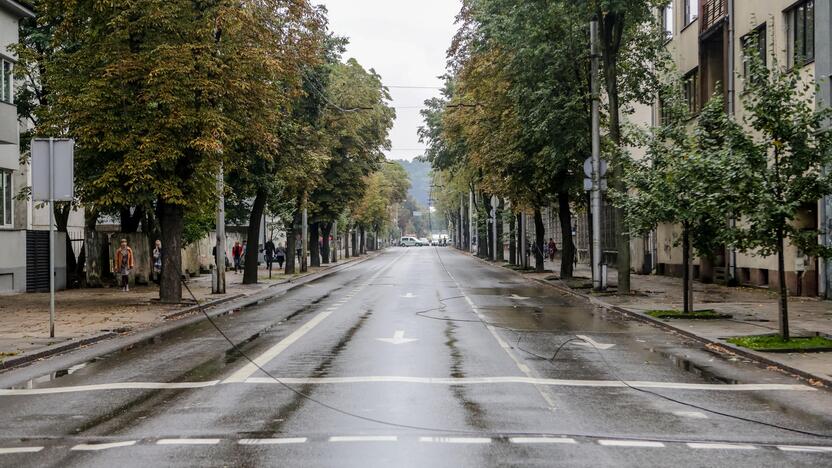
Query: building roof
point(19, 9)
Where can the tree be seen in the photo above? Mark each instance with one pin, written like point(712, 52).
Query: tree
point(783, 168)
point(685, 179)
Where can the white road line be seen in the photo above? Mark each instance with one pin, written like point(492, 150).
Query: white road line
point(250, 368)
point(363, 439)
point(804, 448)
point(96, 447)
point(631, 443)
point(187, 441)
point(111, 386)
point(525, 380)
point(456, 440)
point(718, 446)
point(281, 441)
point(691, 414)
point(541, 440)
point(10, 450)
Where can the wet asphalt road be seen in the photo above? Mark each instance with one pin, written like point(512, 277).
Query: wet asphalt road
point(418, 357)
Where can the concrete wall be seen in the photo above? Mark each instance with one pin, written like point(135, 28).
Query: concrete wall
point(12, 261)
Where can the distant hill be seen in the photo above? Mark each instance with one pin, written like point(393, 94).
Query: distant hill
point(420, 180)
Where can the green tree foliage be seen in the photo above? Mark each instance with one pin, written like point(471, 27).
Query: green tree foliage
point(153, 91)
point(784, 164)
point(685, 179)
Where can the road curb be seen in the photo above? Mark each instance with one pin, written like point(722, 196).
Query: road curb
point(177, 319)
point(715, 345)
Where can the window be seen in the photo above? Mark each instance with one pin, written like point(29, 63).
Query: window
point(691, 11)
point(667, 19)
point(801, 20)
point(6, 89)
point(664, 112)
point(691, 83)
point(754, 43)
point(5, 198)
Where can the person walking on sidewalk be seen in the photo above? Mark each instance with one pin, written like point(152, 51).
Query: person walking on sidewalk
point(280, 255)
point(157, 262)
point(269, 251)
point(237, 255)
point(553, 249)
point(124, 263)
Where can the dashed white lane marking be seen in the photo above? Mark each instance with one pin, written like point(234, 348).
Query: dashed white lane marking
point(456, 440)
point(96, 447)
point(280, 441)
point(631, 443)
point(111, 386)
point(721, 446)
point(691, 414)
point(542, 440)
point(804, 448)
point(187, 441)
point(363, 439)
point(10, 450)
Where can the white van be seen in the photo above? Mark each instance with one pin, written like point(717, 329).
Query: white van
point(408, 242)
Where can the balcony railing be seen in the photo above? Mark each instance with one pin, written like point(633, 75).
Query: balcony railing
point(712, 12)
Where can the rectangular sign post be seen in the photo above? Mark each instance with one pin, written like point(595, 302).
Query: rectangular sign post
point(53, 179)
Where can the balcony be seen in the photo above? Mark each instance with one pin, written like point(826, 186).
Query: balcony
point(8, 124)
point(712, 13)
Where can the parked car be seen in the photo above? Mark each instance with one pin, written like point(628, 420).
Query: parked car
point(424, 242)
point(409, 242)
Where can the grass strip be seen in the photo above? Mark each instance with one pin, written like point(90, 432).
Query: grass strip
point(695, 315)
point(775, 343)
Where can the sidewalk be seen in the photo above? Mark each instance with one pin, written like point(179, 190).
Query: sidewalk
point(754, 312)
point(84, 316)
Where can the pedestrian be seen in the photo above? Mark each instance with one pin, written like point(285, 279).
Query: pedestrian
point(553, 248)
point(237, 256)
point(157, 262)
point(124, 263)
point(269, 251)
point(280, 255)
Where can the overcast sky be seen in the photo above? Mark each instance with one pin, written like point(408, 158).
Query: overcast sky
point(405, 42)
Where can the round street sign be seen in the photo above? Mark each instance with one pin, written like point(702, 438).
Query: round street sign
point(588, 167)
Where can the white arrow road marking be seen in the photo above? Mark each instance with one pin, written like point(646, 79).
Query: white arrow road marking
point(398, 338)
point(95, 447)
point(587, 341)
point(517, 298)
point(409, 296)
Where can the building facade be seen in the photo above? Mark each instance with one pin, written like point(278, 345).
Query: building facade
point(708, 40)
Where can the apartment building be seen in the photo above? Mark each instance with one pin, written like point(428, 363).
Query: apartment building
point(707, 40)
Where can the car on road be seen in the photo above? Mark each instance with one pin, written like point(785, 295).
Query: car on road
point(409, 242)
point(424, 242)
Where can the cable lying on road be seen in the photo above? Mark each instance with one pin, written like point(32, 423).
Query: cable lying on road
point(609, 366)
point(360, 417)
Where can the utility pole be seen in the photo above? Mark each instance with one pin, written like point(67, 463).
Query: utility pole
point(597, 280)
point(494, 202)
point(524, 255)
point(219, 256)
point(471, 220)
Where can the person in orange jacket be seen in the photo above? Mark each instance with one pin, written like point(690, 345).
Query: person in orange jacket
point(124, 263)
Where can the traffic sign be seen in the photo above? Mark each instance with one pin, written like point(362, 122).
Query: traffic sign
point(588, 167)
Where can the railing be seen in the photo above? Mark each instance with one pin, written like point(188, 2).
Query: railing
point(712, 12)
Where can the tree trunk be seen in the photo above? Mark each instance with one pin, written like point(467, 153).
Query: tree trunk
point(326, 254)
point(62, 212)
point(611, 44)
point(250, 270)
point(784, 289)
point(466, 228)
point(172, 221)
point(539, 235)
point(686, 286)
point(291, 244)
point(512, 239)
point(567, 254)
point(346, 236)
point(488, 248)
point(315, 244)
point(354, 241)
point(501, 254)
point(362, 241)
point(520, 241)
